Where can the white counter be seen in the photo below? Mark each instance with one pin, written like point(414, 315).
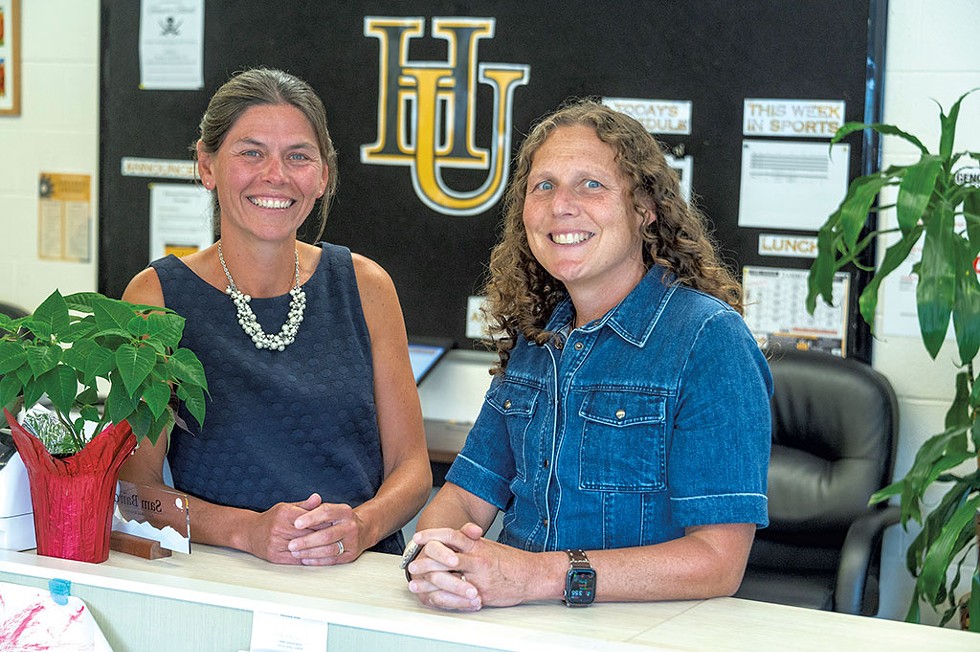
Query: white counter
point(204, 601)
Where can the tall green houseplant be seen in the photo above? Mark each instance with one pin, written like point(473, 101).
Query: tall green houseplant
point(938, 205)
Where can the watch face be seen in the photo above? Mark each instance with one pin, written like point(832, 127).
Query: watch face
point(580, 586)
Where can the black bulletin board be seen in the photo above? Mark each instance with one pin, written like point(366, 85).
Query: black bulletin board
point(714, 53)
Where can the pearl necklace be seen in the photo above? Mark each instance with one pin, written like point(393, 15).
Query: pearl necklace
point(251, 326)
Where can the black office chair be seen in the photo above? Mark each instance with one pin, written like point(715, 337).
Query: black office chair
point(835, 427)
point(12, 311)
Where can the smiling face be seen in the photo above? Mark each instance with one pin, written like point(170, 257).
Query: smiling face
point(267, 173)
point(580, 219)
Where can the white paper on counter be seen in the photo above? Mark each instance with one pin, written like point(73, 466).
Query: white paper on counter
point(283, 633)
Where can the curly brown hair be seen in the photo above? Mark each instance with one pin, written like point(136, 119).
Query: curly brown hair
point(521, 294)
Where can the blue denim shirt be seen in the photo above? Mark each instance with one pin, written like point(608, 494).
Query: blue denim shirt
point(649, 420)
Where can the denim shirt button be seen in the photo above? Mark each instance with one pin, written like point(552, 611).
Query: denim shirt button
point(579, 346)
point(545, 463)
point(544, 522)
point(507, 404)
point(621, 414)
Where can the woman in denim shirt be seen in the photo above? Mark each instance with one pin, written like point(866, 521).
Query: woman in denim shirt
point(629, 413)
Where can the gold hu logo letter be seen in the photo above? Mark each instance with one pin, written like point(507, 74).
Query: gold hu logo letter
point(427, 110)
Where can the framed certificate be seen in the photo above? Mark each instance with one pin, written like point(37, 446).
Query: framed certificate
point(9, 57)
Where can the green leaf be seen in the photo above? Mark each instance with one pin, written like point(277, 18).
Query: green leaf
point(157, 396)
point(101, 362)
point(33, 390)
point(193, 398)
point(885, 493)
point(856, 205)
point(933, 524)
point(966, 302)
point(90, 413)
point(23, 374)
point(937, 279)
point(974, 604)
point(112, 315)
point(12, 356)
point(141, 420)
point(820, 280)
point(10, 389)
point(187, 368)
point(940, 554)
point(83, 302)
point(88, 396)
point(948, 125)
point(43, 358)
point(894, 256)
point(162, 425)
point(79, 356)
point(80, 330)
point(119, 404)
point(135, 363)
point(168, 328)
point(61, 385)
point(138, 327)
point(884, 129)
point(52, 313)
point(936, 455)
point(915, 190)
point(958, 414)
point(975, 428)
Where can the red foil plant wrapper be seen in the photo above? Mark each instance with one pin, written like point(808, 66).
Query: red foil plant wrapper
point(73, 498)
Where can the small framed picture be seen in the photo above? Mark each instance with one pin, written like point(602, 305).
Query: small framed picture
point(9, 57)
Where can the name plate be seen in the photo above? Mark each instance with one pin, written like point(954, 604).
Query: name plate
point(157, 514)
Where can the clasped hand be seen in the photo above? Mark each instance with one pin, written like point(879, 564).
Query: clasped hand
point(460, 570)
point(310, 532)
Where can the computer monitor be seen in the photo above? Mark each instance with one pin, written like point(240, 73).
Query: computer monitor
point(425, 352)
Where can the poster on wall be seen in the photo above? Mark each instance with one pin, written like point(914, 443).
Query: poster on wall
point(64, 217)
point(9, 57)
point(172, 45)
point(180, 219)
point(775, 312)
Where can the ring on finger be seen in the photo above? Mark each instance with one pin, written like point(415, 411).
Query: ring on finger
point(340, 548)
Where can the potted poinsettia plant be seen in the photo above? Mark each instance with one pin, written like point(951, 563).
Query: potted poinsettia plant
point(938, 205)
point(58, 357)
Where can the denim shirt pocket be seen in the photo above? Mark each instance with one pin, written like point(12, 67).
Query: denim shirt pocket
point(516, 402)
point(623, 441)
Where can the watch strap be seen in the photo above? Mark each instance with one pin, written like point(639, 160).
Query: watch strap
point(578, 559)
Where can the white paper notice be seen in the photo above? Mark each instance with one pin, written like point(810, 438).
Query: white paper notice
point(180, 219)
point(775, 310)
point(791, 185)
point(282, 633)
point(684, 167)
point(172, 44)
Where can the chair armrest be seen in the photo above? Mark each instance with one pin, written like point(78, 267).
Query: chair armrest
point(859, 544)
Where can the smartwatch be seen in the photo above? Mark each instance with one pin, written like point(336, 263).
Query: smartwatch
point(412, 550)
point(580, 580)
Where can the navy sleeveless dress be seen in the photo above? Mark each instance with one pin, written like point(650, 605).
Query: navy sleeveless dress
point(280, 424)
